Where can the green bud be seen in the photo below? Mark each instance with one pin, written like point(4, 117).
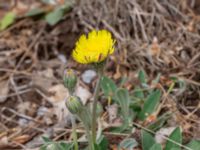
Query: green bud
point(70, 80)
point(74, 104)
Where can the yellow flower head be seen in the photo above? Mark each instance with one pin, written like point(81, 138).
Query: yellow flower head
point(94, 48)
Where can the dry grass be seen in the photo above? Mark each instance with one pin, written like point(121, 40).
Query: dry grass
point(140, 24)
point(160, 36)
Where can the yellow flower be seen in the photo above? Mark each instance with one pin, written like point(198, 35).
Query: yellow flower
point(94, 48)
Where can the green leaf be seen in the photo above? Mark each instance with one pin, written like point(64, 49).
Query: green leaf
point(142, 77)
point(181, 84)
point(135, 108)
point(57, 146)
point(157, 79)
point(34, 12)
point(150, 104)
point(138, 93)
point(102, 142)
point(194, 144)
point(53, 146)
point(108, 86)
point(176, 136)
point(123, 80)
point(85, 116)
point(128, 144)
point(46, 139)
point(43, 147)
point(7, 20)
point(122, 97)
point(156, 146)
point(96, 147)
point(55, 16)
point(66, 146)
point(147, 140)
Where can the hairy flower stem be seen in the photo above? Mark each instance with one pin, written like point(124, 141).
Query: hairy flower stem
point(85, 116)
point(96, 94)
point(89, 137)
point(74, 134)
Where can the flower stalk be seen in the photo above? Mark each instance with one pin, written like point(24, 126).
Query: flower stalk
point(74, 134)
point(94, 49)
point(85, 116)
point(99, 68)
point(89, 137)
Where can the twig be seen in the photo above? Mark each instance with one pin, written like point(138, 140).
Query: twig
point(14, 94)
point(20, 115)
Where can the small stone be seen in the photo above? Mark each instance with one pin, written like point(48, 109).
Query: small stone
point(88, 76)
point(42, 111)
point(48, 121)
point(62, 58)
point(23, 122)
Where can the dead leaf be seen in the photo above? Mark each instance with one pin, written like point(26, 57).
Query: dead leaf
point(190, 26)
point(59, 94)
point(112, 112)
point(83, 93)
point(43, 79)
point(23, 107)
point(22, 139)
point(155, 48)
point(4, 141)
point(20, 8)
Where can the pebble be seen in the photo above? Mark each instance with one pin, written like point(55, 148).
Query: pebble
point(62, 58)
point(88, 76)
point(23, 122)
point(42, 111)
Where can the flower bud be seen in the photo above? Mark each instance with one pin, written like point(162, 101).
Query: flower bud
point(70, 80)
point(74, 104)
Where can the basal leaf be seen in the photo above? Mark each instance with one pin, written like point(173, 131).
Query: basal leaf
point(176, 136)
point(150, 104)
point(142, 77)
point(7, 20)
point(194, 144)
point(122, 97)
point(102, 143)
point(66, 146)
point(55, 16)
point(147, 140)
point(108, 86)
point(34, 12)
point(156, 146)
point(46, 139)
point(138, 93)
